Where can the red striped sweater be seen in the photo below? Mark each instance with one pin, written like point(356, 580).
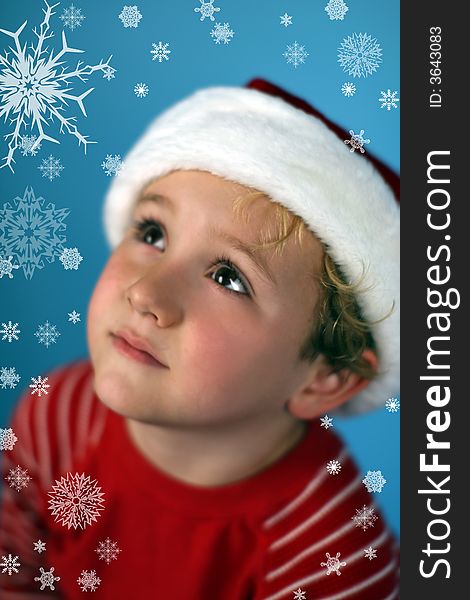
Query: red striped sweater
point(264, 538)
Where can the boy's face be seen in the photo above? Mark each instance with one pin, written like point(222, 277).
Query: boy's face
point(228, 356)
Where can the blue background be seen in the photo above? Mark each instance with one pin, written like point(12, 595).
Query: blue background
point(116, 117)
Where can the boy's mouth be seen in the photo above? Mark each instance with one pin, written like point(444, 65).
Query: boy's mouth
point(136, 348)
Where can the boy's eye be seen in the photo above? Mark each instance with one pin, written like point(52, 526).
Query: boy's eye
point(149, 232)
point(226, 272)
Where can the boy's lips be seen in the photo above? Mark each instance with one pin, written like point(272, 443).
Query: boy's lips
point(138, 348)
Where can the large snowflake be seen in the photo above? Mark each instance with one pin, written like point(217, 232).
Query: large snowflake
point(7, 439)
point(295, 54)
point(35, 86)
point(31, 230)
point(8, 377)
point(364, 517)
point(130, 16)
point(72, 17)
point(108, 550)
point(374, 481)
point(10, 331)
point(207, 9)
point(360, 55)
point(76, 500)
point(222, 33)
point(336, 9)
point(18, 478)
point(47, 334)
point(47, 578)
point(88, 581)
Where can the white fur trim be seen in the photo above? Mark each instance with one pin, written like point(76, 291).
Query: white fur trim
point(261, 141)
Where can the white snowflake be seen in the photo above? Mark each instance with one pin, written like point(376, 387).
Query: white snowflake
point(141, 90)
point(299, 594)
point(348, 89)
point(10, 331)
point(295, 54)
point(360, 55)
point(374, 481)
point(39, 546)
point(47, 334)
point(88, 581)
point(112, 164)
point(7, 439)
point(70, 258)
point(18, 478)
point(108, 550)
point(392, 405)
point(357, 141)
point(207, 9)
point(51, 167)
point(130, 16)
point(9, 377)
point(109, 73)
point(364, 517)
point(47, 578)
point(336, 9)
point(39, 386)
point(35, 86)
point(76, 500)
point(72, 17)
point(286, 20)
point(6, 267)
point(74, 316)
point(333, 564)
point(31, 231)
point(160, 51)
point(29, 145)
point(222, 33)
point(389, 100)
point(10, 564)
point(370, 553)
point(326, 422)
point(333, 467)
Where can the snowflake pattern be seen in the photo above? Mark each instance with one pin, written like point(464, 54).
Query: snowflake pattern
point(72, 17)
point(109, 73)
point(10, 331)
point(130, 16)
point(6, 267)
point(299, 594)
point(336, 10)
point(160, 51)
point(141, 90)
point(31, 231)
point(88, 581)
point(357, 141)
point(360, 55)
point(9, 377)
point(76, 500)
point(295, 54)
point(326, 422)
point(112, 164)
point(222, 33)
point(51, 167)
point(10, 564)
point(348, 89)
point(108, 550)
point(29, 145)
point(18, 478)
point(47, 578)
point(364, 517)
point(35, 86)
point(374, 481)
point(207, 9)
point(74, 316)
point(388, 100)
point(333, 564)
point(333, 467)
point(286, 20)
point(39, 546)
point(7, 439)
point(370, 553)
point(47, 334)
point(39, 386)
point(392, 405)
point(70, 258)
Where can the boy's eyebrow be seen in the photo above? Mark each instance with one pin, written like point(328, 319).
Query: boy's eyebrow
point(234, 242)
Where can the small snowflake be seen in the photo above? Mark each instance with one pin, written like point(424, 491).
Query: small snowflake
point(333, 564)
point(7, 439)
point(141, 90)
point(47, 578)
point(51, 167)
point(286, 20)
point(109, 73)
point(6, 267)
point(18, 478)
point(8, 377)
point(295, 54)
point(88, 581)
point(374, 481)
point(333, 467)
point(112, 164)
point(10, 564)
point(28, 145)
point(336, 9)
point(74, 316)
point(39, 546)
point(392, 405)
point(389, 100)
point(364, 517)
point(108, 550)
point(10, 331)
point(160, 51)
point(72, 17)
point(47, 334)
point(39, 386)
point(370, 553)
point(299, 594)
point(360, 55)
point(222, 33)
point(70, 258)
point(326, 422)
point(130, 16)
point(357, 141)
point(207, 9)
point(348, 89)
point(76, 500)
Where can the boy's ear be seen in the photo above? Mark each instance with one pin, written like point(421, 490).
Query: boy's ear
point(326, 389)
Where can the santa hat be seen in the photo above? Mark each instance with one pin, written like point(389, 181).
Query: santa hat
point(269, 140)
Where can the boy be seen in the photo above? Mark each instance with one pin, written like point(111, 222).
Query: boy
point(252, 288)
